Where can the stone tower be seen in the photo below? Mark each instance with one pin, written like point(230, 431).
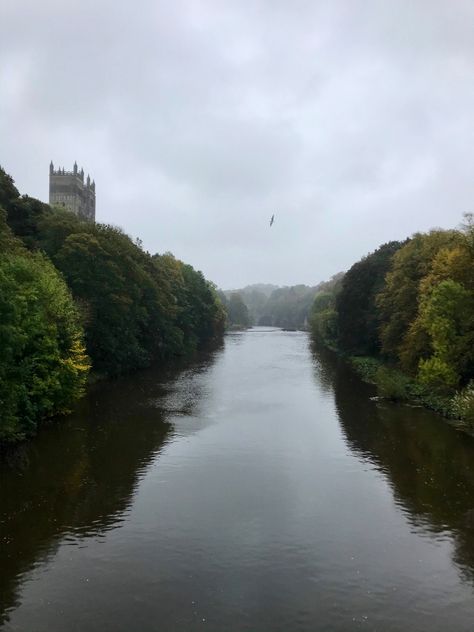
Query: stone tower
point(67, 188)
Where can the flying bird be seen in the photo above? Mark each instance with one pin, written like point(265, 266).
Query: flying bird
point(272, 220)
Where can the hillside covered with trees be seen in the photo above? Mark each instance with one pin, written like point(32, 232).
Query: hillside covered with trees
point(410, 307)
point(76, 296)
point(269, 305)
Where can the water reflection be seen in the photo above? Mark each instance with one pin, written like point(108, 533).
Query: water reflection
point(429, 465)
point(249, 496)
point(77, 478)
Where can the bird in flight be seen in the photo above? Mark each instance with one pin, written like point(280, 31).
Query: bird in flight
point(272, 220)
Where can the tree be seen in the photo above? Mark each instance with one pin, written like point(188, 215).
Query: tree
point(288, 307)
point(447, 314)
point(323, 319)
point(398, 301)
point(358, 319)
point(8, 190)
point(238, 312)
point(134, 308)
point(43, 365)
point(439, 341)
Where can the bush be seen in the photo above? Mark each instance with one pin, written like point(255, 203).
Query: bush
point(462, 405)
point(391, 384)
point(366, 367)
point(437, 374)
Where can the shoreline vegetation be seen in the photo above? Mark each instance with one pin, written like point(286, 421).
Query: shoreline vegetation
point(81, 302)
point(403, 317)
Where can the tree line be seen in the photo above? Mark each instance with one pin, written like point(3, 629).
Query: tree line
point(270, 305)
point(77, 296)
point(409, 305)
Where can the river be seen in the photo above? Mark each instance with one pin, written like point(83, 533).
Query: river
point(257, 489)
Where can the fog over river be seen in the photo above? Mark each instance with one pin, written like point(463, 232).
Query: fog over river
point(257, 489)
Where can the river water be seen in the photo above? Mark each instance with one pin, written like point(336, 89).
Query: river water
point(259, 489)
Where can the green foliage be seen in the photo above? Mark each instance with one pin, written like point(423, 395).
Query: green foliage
point(397, 303)
point(411, 305)
point(255, 298)
point(447, 314)
point(8, 243)
point(437, 373)
point(8, 190)
point(366, 367)
point(323, 317)
point(324, 326)
point(397, 386)
point(201, 315)
point(357, 316)
point(462, 405)
point(237, 311)
point(24, 217)
point(103, 270)
point(136, 308)
point(255, 301)
point(130, 307)
point(43, 365)
point(391, 384)
point(197, 313)
point(288, 307)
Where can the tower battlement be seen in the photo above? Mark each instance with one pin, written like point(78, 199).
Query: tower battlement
point(68, 189)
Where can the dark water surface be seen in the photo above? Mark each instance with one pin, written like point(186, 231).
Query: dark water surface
point(259, 489)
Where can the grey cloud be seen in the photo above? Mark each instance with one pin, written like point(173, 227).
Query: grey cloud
point(351, 120)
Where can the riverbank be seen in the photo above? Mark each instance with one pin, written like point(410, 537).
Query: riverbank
point(404, 316)
point(394, 385)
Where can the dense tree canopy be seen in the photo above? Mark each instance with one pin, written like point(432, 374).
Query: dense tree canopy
point(412, 304)
point(129, 307)
point(269, 305)
point(323, 316)
point(288, 307)
point(255, 298)
point(358, 318)
point(398, 300)
point(43, 365)
point(237, 311)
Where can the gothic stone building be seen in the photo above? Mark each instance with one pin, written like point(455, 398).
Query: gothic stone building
point(67, 188)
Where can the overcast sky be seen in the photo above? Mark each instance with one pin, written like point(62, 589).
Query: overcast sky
point(351, 120)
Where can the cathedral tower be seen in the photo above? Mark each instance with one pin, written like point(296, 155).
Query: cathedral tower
point(67, 188)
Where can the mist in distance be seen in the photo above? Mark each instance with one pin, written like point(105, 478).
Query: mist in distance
point(351, 122)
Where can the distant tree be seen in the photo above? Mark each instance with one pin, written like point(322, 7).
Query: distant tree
point(255, 297)
point(238, 313)
point(288, 307)
point(255, 300)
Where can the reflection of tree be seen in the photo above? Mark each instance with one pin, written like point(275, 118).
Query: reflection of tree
point(427, 462)
point(78, 477)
